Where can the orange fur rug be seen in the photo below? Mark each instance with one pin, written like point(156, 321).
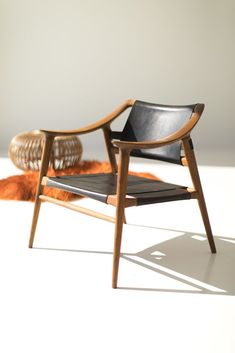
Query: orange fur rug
point(23, 187)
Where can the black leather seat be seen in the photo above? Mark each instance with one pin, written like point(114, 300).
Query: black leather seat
point(152, 131)
point(100, 186)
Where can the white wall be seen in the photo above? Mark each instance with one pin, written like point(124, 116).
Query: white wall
point(65, 63)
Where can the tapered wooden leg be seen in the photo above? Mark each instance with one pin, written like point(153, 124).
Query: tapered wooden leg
point(120, 216)
point(205, 217)
point(44, 167)
point(192, 164)
point(34, 221)
point(117, 244)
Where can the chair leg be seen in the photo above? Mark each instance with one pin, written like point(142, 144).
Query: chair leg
point(109, 146)
point(120, 211)
point(34, 221)
point(206, 221)
point(117, 244)
point(192, 164)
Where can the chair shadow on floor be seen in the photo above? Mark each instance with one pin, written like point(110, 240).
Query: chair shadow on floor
point(185, 258)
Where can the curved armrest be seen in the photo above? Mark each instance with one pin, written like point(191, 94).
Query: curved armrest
point(95, 126)
point(176, 136)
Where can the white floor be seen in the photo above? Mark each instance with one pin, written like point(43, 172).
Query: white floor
point(173, 295)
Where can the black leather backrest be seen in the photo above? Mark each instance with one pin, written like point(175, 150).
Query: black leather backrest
point(149, 122)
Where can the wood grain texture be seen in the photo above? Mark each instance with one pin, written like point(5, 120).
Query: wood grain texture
point(120, 215)
point(43, 171)
point(95, 126)
point(193, 169)
point(77, 208)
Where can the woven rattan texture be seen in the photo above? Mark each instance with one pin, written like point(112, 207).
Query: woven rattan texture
point(25, 151)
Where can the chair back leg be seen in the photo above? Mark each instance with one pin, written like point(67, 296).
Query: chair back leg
point(205, 217)
point(109, 147)
point(120, 210)
point(193, 169)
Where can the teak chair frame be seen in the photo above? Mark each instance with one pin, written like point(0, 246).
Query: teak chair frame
point(120, 200)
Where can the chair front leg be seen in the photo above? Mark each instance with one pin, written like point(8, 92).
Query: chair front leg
point(44, 167)
point(120, 209)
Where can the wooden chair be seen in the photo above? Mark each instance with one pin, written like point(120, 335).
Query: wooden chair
point(152, 131)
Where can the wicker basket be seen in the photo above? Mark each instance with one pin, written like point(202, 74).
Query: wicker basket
point(25, 151)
